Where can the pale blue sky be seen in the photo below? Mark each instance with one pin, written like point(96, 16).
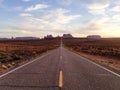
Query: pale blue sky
point(42, 17)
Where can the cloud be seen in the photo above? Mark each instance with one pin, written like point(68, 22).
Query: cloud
point(117, 2)
point(59, 16)
point(26, 0)
point(25, 14)
point(98, 6)
point(36, 7)
point(54, 21)
point(101, 26)
point(91, 25)
point(16, 33)
point(24, 29)
point(117, 17)
point(27, 27)
point(116, 9)
point(65, 2)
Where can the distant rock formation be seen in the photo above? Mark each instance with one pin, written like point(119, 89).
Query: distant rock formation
point(94, 37)
point(4, 38)
point(67, 36)
point(48, 37)
point(26, 38)
point(20, 38)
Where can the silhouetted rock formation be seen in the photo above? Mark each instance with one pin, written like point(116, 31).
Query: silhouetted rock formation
point(26, 38)
point(48, 37)
point(67, 36)
point(94, 37)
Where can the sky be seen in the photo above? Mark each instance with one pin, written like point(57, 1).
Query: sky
point(42, 17)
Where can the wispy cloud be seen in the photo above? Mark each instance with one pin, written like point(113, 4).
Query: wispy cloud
point(59, 16)
point(36, 7)
point(26, 0)
point(79, 17)
point(65, 2)
point(25, 14)
point(56, 20)
point(116, 17)
point(99, 26)
point(92, 25)
point(97, 8)
point(116, 9)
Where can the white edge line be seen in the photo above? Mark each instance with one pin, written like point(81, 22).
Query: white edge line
point(101, 67)
point(20, 67)
point(97, 65)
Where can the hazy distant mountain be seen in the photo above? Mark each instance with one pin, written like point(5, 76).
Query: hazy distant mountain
point(4, 38)
point(26, 38)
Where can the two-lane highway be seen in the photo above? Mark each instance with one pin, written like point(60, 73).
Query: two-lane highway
point(83, 74)
point(42, 74)
point(63, 68)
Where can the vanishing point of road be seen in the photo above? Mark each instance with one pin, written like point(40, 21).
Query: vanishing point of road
point(60, 69)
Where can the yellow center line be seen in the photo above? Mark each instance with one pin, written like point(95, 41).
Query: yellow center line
point(61, 79)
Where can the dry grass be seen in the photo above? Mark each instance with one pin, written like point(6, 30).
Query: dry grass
point(104, 51)
point(12, 53)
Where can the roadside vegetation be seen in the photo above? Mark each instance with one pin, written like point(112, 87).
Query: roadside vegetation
point(105, 50)
point(13, 53)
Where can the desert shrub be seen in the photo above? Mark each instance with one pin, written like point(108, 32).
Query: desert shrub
point(25, 50)
point(104, 47)
point(5, 59)
point(16, 57)
point(85, 48)
point(99, 48)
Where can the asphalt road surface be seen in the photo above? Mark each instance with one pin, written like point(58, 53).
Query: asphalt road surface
point(77, 73)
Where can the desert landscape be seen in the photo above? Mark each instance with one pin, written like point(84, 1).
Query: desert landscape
point(15, 52)
point(59, 44)
point(105, 50)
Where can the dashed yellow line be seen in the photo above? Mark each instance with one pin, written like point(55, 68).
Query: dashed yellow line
point(61, 79)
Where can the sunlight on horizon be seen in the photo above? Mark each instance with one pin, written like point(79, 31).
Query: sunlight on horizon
point(41, 17)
